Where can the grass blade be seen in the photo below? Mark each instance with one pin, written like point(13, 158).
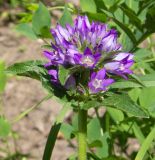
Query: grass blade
point(146, 145)
point(54, 132)
point(23, 114)
point(51, 141)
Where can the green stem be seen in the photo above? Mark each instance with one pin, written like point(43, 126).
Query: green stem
point(82, 135)
point(59, 8)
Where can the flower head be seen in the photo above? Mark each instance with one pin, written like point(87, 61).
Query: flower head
point(92, 46)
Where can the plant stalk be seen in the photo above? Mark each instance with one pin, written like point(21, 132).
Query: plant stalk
point(82, 135)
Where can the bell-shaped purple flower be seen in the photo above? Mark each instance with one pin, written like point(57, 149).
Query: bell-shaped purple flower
point(70, 83)
point(98, 81)
point(121, 64)
point(109, 42)
point(88, 59)
point(55, 56)
point(54, 75)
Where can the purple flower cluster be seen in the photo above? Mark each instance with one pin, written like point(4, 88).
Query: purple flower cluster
point(91, 46)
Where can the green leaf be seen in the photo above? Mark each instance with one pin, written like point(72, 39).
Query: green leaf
point(92, 156)
point(133, 5)
point(125, 84)
point(119, 15)
point(134, 94)
point(67, 130)
point(5, 128)
point(93, 130)
point(126, 30)
point(114, 158)
point(116, 114)
point(109, 3)
point(96, 139)
point(124, 103)
point(66, 18)
point(146, 100)
point(146, 145)
point(141, 53)
point(54, 132)
point(130, 84)
point(97, 17)
point(96, 143)
point(63, 74)
point(150, 20)
point(132, 16)
point(103, 151)
point(100, 5)
point(126, 42)
point(51, 141)
point(88, 6)
point(41, 20)
point(26, 30)
point(3, 78)
point(32, 69)
point(138, 133)
point(90, 104)
point(151, 109)
point(148, 77)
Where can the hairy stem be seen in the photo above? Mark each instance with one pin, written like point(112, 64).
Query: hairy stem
point(82, 135)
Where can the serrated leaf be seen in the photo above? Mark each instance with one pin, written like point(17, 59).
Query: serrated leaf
point(41, 20)
point(34, 70)
point(31, 69)
point(66, 18)
point(124, 103)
